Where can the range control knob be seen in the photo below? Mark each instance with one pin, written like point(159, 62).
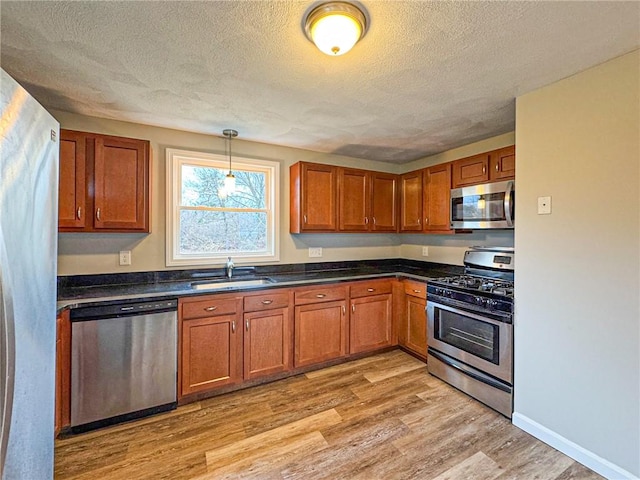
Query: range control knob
point(493, 303)
point(479, 300)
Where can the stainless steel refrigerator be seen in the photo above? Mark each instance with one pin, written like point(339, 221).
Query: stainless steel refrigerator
point(29, 151)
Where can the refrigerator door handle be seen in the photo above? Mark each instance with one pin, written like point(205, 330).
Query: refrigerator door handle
point(7, 359)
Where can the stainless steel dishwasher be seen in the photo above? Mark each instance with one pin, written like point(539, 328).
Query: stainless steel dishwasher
point(123, 362)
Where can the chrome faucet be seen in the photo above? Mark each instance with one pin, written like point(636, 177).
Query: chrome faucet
point(230, 266)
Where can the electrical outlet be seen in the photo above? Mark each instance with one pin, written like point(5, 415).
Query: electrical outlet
point(315, 252)
point(125, 257)
point(425, 251)
point(544, 205)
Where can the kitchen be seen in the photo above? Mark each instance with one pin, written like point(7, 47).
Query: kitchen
point(560, 346)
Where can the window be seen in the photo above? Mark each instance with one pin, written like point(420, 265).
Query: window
point(205, 225)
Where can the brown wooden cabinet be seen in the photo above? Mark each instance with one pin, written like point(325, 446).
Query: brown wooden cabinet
point(411, 202)
point(370, 316)
point(367, 201)
point(412, 333)
point(104, 183)
point(437, 198)
point(503, 164)
point(313, 198)
point(471, 170)
point(63, 372)
point(267, 335)
point(210, 343)
point(320, 325)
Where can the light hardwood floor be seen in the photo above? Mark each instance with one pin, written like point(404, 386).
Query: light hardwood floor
point(380, 417)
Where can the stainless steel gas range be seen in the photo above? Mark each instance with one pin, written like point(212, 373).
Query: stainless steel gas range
point(470, 327)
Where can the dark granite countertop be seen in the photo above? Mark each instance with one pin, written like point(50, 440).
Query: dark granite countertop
point(87, 290)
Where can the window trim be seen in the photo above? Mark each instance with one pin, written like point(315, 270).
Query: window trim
point(175, 158)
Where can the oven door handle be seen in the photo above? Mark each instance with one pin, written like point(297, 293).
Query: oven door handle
point(475, 374)
point(432, 305)
point(508, 204)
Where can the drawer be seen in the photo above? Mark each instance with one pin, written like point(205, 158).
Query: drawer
point(415, 289)
point(209, 307)
point(365, 289)
point(320, 294)
point(266, 301)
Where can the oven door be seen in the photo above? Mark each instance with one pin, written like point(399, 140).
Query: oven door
point(483, 206)
point(483, 343)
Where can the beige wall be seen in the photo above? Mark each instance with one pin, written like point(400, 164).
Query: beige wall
point(577, 321)
point(84, 253)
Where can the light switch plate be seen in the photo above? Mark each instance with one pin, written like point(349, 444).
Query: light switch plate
point(544, 205)
point(125, 257)
point(315, 252)
point(425, 251)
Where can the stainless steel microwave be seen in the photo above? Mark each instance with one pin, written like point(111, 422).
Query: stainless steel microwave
point(490, 205)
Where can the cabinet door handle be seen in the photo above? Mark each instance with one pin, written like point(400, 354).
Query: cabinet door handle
point(246, 324)
point(366, 220)
point(419, 222)
point(210, 309)
point(344, 310)
point(484, 169)
point(374, 220)
point(304, 218)
point(497, 166)
point(233, 326)
point(426, 220)
point(353, 307)
point(371, 289)
point(79, 213)
point(267, 302)
point(98, 214)
point(320, 295)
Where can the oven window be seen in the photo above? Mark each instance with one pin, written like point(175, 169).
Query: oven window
point(473, 336)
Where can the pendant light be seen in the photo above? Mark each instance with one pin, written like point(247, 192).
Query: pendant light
point(335, 27)
point(230, 179)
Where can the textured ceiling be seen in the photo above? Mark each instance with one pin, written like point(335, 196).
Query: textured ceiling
point(427, 77)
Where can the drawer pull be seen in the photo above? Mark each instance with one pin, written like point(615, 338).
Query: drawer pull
point(320, 295)
point(210, 309)
point(371, 289)
point(417, 291)
point(267, 302)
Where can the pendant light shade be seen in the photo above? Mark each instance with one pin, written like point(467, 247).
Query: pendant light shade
point(335, 27)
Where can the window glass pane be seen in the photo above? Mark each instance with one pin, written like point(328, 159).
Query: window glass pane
point(201, 186)
point(216, 232)
point(250, 190)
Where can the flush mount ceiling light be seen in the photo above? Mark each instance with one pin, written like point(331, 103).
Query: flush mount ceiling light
point(335, 27)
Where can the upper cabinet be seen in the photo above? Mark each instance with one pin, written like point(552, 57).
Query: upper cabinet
point(324, 198)
point(104, 183)
point(411, 202)
point(437, 198)
point(471, 170)
point(313, 197)
point(503, 164)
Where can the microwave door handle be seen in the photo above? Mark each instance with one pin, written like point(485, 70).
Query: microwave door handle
point(508, 204)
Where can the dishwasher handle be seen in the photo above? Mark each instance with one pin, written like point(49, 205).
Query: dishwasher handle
point(129, 309)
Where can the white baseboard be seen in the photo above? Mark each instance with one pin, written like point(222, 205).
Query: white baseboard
point(573, 450)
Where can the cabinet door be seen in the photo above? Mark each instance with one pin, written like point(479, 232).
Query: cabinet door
point(411, 202)
point(353, 204)
point(72, 210)
point(471, 170)
point(319, 196)
point(320, 332)
point(121, 184)
point(437, 198)
point(370, 323)
point(267, 343)
point(416, 325)
point(211, 353)
point(384, 202)
point(503, 164)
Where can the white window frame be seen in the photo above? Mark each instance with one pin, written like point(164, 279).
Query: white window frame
point(175, 159)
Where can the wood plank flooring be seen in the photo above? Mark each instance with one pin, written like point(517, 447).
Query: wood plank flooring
point(380, 417)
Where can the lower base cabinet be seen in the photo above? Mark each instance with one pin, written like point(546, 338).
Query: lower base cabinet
point(370, 323)
point(211, 353)
point(413, 327)
point(320, 332)
point(267, 343)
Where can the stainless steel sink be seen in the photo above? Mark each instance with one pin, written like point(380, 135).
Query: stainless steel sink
point(230, 284)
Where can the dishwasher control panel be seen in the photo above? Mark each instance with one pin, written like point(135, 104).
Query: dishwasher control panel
point(122, 309)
